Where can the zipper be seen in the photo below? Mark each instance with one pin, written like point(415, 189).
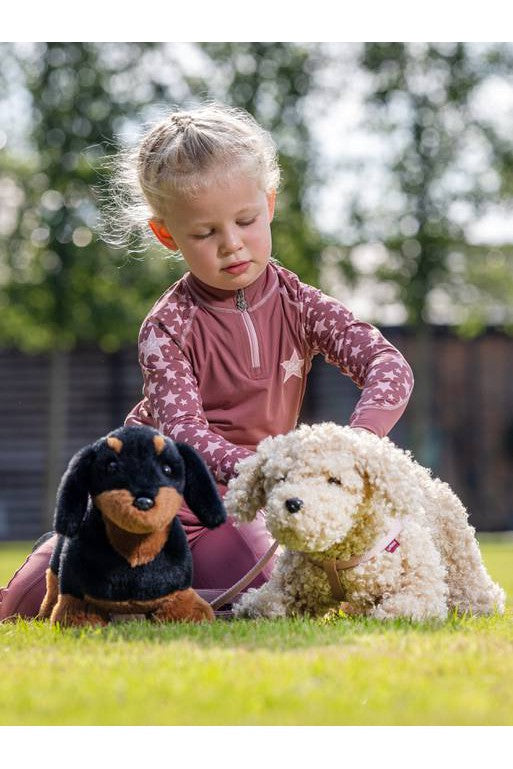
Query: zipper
point(242, 306)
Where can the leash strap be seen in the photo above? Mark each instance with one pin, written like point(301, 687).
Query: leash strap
point(245, 580)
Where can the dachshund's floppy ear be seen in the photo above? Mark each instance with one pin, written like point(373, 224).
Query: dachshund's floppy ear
point(246, 494)
point(200, 491)
point(73, 493)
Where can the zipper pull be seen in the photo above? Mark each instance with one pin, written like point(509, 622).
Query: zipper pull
point(240, 300)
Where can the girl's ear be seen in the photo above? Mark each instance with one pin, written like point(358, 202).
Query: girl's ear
point(271, 202)
point(161, 232)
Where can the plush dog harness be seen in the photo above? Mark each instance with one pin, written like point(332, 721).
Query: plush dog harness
point(332, 566)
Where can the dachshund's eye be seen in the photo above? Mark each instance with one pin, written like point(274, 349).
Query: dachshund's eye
point(334, 480)
point(167, 470)
point(112, 466)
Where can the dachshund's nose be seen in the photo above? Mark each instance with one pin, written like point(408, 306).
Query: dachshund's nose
point(294, 505)
point(143, 503)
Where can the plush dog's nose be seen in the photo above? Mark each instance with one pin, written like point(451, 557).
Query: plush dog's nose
point(143, 503)
point(294, 505)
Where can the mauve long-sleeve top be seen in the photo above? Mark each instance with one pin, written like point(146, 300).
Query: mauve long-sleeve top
point(224, 369)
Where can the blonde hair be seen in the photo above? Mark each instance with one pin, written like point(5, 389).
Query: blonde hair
point(180, 155)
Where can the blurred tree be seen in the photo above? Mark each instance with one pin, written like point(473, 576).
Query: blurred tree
point(448, 161)
point(274, 82)
point(61, 285)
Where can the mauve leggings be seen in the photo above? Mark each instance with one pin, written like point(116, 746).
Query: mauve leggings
point(220, 557)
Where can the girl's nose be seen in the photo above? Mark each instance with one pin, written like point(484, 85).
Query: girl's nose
point(230, 243)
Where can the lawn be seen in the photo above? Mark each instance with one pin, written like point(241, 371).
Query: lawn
point(301, 672)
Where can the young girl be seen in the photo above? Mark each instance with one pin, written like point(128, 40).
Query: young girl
point(226, 350)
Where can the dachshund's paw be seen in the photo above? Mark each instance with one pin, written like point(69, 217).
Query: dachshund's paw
point(74, 612)
point(184, 606)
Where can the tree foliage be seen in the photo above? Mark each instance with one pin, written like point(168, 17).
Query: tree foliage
point(447, 163)
point(60, 284)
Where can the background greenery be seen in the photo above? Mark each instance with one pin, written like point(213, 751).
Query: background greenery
point(445, 163)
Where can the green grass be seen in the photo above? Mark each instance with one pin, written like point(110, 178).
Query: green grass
point(300, 672)
point(12, 554)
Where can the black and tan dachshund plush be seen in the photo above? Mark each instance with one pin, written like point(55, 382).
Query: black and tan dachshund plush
point(122, 548)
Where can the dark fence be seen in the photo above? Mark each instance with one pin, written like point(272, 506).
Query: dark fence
point(470, 411)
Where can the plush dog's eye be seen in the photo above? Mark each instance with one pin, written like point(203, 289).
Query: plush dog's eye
point(334, 480)
point(112, 466)
point(167, 470)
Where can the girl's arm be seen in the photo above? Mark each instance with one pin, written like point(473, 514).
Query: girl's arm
point(172, 395)
point(361, 352)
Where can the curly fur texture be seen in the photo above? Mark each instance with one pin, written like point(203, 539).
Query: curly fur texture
point(352, 486)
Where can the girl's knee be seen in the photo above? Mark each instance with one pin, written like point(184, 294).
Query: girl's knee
point(223, 555)
point(25, 591)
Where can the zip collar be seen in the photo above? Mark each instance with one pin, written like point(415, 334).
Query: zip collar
point(231, 301)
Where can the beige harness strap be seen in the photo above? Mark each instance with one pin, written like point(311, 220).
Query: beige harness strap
point(390, 543)
point(330, 567)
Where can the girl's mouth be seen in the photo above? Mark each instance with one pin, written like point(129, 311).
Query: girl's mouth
point(237, 269)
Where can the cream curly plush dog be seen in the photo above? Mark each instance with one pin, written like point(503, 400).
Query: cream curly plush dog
point(360, 522)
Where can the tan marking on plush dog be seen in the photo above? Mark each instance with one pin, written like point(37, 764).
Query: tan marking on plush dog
point(115, 444)
point(118, 506)
point(137, 549)
point(51, 595)
point(138, 535)
point(159, 443)
point(71, 611)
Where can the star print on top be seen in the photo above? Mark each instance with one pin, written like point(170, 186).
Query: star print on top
point(223, 369)
point(293, 366)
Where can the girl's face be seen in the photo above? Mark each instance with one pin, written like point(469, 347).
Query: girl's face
point(223, 232)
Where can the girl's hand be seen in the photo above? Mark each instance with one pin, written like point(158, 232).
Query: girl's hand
point(362, 430)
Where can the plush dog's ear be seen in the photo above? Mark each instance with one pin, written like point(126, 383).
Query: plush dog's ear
point(392, 474)
point(246, 493)
point(200, 491)
point(73, 493)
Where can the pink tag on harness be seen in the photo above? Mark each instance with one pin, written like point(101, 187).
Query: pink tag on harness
point(392, 546)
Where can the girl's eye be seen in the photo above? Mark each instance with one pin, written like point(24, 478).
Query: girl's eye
point(167, 470)
point(203, 235)
point(246, 224)
point(334, 480)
